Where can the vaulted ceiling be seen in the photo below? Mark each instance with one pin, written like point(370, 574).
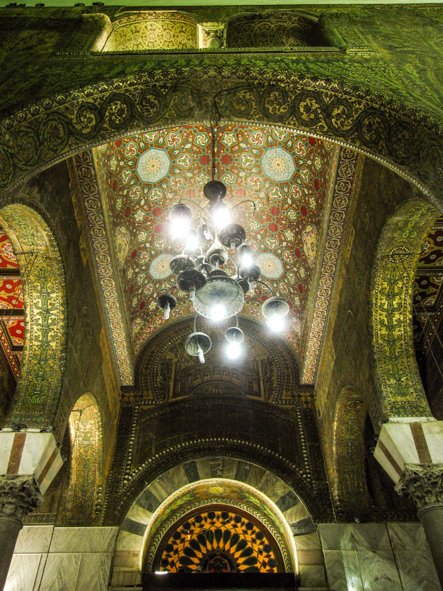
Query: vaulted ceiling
point(289, 191)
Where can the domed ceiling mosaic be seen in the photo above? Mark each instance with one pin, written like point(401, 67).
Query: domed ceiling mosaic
point(278, 184)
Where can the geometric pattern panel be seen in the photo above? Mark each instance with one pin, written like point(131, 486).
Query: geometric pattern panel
point(219, 541)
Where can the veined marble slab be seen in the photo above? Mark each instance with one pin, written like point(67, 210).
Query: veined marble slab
point(61, 572)
point(173, 480)
point(33, 539)
point(414, 560)
point(94, 572)
point(24, 572)
point(83, 539)
point(307, 542)
point(354, 536)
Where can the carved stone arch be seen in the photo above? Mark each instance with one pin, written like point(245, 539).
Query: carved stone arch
point(399, 248)
point(39, 383)
point(148, 516)
point(349, 487)
point(81, 502)
point(60, 126)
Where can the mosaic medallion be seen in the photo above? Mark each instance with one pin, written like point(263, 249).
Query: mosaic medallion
point(159, 268)
point(278, 164)
point(153, 165)
point(271, 266)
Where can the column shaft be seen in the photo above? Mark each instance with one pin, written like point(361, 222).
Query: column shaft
point(9, 530)
point(432, 521)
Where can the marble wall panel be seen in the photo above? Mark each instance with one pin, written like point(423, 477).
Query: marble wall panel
point(354, 536)
point(25, 572)
point(417, 570)
point(61, 572)
point(34, 539)
point(83, 539)
point(94, 572)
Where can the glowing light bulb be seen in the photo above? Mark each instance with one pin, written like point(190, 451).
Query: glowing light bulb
point(167, 310)
point(192, 242)
point(200, 354)
point(179, 228)
point(276, 323)
point(247, 260)
point(221, 216)
point(218, 312)
point(233, 350)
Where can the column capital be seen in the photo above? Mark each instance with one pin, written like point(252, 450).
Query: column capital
point(423, 483)
point(18, 496)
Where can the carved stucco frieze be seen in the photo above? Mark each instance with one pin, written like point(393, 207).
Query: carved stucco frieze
point(18, 496)
point(423, 483)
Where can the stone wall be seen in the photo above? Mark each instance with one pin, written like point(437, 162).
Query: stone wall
point(62, 559)
point(378, 557)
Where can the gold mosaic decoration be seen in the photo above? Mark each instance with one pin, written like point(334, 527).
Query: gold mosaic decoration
point(398, 252)
point(154, 30)
point(40, 379)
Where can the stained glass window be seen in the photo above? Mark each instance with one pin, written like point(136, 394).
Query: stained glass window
point(219, 540)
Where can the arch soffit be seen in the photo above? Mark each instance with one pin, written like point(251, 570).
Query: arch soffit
point(397, 377)
point(267, 486)
point(40, 378)
point(57, 128)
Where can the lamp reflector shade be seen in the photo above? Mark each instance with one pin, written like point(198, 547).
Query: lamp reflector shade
point(234, 334)
point(180, 218)
point(198, 344)
point(214, 190)
point(275, 306)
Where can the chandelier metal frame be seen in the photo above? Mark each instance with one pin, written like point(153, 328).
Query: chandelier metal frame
point(214, 293)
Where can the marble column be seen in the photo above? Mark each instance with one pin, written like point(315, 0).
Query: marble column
point(424, 484)
point(18, 497)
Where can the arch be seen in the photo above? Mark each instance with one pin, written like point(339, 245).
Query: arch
point(40, 379)
point(396, 372)
point(275, 500)
point(53, 129)
point(349, 488)
point(82, 494)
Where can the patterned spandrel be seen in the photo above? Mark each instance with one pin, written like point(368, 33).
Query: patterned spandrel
point(282, 174)
point(216, 541)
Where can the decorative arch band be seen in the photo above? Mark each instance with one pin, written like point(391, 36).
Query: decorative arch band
point(40, 379)
point(57, 128)
point(396, 372)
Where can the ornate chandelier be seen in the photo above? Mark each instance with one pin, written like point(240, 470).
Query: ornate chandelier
point(215, 294)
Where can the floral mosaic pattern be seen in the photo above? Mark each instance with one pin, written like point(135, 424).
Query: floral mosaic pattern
point(283, 208)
